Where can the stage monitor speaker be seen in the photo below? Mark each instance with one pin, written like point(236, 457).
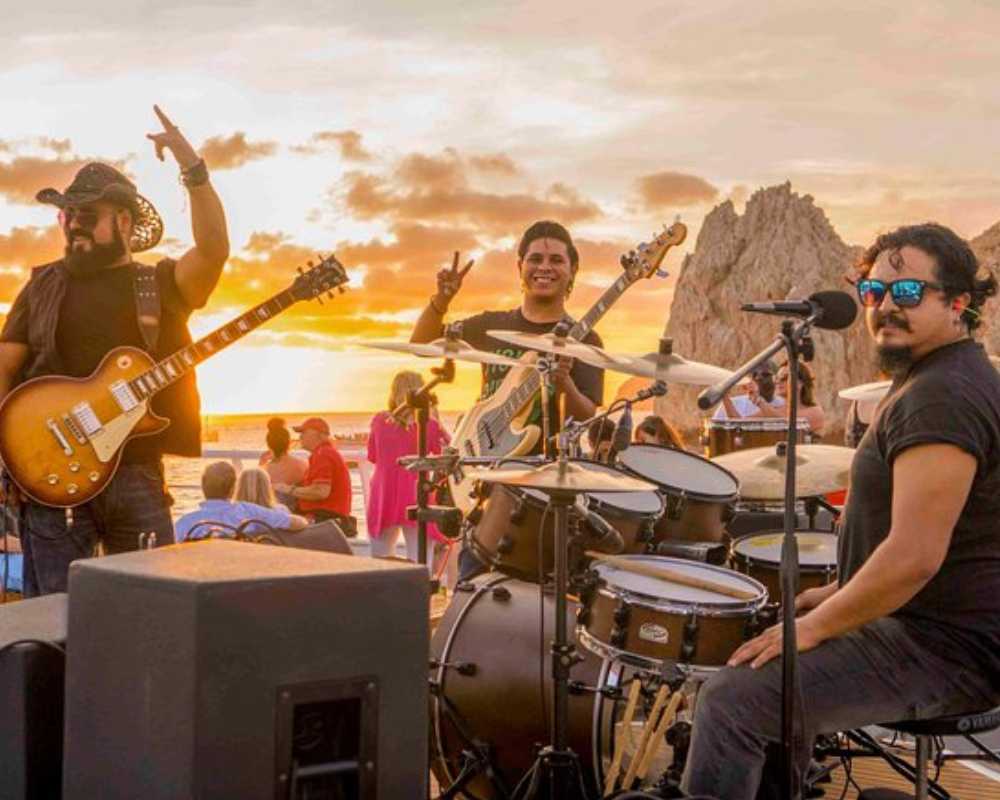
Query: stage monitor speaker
point(223, 669)
point(31, 697)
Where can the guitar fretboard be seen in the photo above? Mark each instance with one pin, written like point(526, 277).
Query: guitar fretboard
point(526, 390)
point(174, 367)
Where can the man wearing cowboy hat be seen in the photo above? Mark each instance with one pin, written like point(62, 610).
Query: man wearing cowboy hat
point(73, 311)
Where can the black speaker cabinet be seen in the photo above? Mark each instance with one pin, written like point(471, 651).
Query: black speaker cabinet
point(221, 669)
point(31, 698)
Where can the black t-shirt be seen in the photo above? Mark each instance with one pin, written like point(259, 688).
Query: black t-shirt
point(951, 396)
point(589, 380)
point(97, 314)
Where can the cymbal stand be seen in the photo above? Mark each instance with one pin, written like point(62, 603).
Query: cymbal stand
point(557, 766)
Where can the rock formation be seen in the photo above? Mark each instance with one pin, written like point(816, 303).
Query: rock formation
point(782, 247)
point(987, 247)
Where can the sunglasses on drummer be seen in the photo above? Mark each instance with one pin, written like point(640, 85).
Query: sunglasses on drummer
point(905, 292)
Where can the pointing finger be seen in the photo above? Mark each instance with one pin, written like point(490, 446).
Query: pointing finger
point(454, 262)
point(466, 268)
point(164, 119)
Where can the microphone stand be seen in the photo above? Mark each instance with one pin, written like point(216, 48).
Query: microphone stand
point(420, 401)
point(796, 342)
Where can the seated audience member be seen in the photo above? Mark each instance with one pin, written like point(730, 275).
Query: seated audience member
point(809, 409)
point(282, 467)
point(600, 437)
point(325, 491)
point(760, 398)
point(655, 430)
point(217, 482)
point(254, 486)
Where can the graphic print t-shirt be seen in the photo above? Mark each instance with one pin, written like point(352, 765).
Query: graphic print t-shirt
point(589, 380)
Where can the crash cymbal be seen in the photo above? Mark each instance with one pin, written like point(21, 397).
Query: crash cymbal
point(819, 469)
point(445, 348)
point(669, 367)
point(866, 391)
point(574, 477)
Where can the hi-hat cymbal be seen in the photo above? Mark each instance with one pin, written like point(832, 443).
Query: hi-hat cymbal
point(445, 348)
point(670, 368)
point(574, 477)
point(819, 469)
point(866, 391)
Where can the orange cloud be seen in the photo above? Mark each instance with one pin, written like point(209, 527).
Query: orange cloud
point(30, 246)
point(670, 189)
point(497, 164)
point(231, 152)
point(348, 142)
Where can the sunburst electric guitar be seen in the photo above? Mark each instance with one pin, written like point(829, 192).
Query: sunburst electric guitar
point(495, 427)
point(61, 438)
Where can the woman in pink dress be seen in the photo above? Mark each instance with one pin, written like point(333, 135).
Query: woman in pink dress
point(392, 488)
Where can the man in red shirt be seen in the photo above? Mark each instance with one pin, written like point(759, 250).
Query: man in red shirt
point(325, 492)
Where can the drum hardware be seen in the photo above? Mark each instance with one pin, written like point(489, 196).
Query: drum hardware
point(466, 668)
point(715, 553)
point(676, 505)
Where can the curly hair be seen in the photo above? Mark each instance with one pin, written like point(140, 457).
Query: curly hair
point(955, 265)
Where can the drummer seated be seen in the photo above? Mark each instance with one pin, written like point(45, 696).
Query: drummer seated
point(761, 397)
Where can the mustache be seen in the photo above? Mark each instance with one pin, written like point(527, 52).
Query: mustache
point(891, 321)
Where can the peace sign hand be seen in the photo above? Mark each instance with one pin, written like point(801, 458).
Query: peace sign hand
point(449, 281)
point(173, 140)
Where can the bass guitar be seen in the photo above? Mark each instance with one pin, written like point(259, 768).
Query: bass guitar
point(495, 427)
point(61, 438)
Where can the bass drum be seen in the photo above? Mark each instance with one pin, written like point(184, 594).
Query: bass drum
point(491, 682)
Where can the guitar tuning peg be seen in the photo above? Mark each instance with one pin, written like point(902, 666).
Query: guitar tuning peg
point(662, 273)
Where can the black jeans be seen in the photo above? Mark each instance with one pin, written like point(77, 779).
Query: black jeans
point(134, 502)
point(879, 673)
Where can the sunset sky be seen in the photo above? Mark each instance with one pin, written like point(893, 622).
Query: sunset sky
point(397, 132)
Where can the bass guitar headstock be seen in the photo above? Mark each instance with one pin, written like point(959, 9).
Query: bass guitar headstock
point(644, 261)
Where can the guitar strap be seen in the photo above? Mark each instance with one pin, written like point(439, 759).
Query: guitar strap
point(147, 305)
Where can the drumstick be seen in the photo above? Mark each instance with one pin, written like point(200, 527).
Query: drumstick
point(657, 737)
point(616, 762)
point(647, 731)
point(628, 565)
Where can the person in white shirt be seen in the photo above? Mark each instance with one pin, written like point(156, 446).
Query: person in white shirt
point(760, 398)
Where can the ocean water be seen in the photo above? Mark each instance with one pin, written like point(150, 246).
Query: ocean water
point(247, 433)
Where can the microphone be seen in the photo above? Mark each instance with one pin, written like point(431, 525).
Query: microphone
point(623, 430)
point(607, 539)
point(657, 389)
point(833, 309)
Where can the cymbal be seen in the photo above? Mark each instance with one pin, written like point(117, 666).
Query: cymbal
point(444, 348)
point(819, 469)
point(575, 478)
point(866, 391)
point(876, 391)
point(670, 368)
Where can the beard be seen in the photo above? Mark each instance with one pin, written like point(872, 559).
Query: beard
point(99, 256)
point(894, 361)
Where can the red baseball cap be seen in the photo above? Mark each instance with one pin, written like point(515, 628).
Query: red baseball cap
point(313, 424)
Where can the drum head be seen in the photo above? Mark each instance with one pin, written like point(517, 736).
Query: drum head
point(642, 503)
point(658, 592)
point(816, 548)
point(677, 471)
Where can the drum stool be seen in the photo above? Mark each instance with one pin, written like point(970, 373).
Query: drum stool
point(925, 731)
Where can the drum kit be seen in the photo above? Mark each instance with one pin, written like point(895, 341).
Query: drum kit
point(578, 554)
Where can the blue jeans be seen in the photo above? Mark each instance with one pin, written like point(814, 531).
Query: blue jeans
point(134, 502)
point(878, 673)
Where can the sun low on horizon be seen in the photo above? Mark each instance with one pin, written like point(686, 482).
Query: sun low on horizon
point(393, 136)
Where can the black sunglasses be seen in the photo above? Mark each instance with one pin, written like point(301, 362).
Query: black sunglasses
point(85, 217)
point(905, 292)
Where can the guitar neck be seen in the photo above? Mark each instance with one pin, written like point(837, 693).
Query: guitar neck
point(174, 367)
point(526, 390)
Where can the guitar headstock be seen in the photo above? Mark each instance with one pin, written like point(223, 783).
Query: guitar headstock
point(645, 260)
point(325, 276)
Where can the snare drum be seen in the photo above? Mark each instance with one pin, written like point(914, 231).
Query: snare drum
point(721, 436)
point(698, 494)
point(759, 556)
point(646, 621)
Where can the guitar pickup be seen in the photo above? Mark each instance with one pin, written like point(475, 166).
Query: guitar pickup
point(123, 395)
point(59, 437)
point(71, 426)
point(85, 417)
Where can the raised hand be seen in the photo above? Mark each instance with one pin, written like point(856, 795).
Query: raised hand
point(449, 281)
point(173, 140)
